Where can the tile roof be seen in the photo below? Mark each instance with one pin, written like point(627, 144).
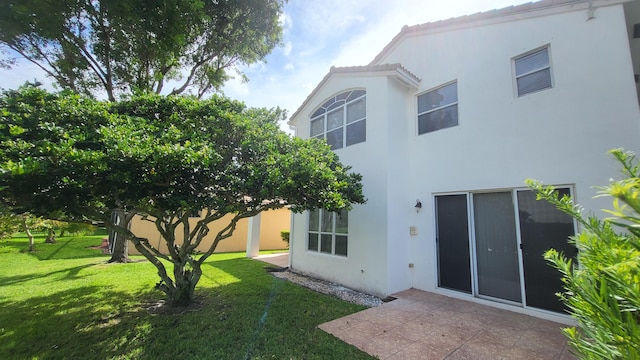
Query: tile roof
point(492, 15)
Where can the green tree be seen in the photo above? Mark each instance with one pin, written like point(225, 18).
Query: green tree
point(164, 158)
point(138, 46)
point(603, 288)
point(9, 222)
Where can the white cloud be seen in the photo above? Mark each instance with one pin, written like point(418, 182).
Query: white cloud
point(289, 67)
point(238, 87)
point(362, 48)
point(285, 21)
point(287, 48)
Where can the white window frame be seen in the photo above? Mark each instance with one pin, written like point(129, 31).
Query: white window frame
point(517, 76)
point(340, 102)
point(439, 108)
point(333, 233)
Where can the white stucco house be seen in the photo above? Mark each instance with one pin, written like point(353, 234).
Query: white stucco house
point(455, 115)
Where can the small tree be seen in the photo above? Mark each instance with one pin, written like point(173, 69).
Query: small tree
point(603, 288)
point(164, 158)
point(9, 222)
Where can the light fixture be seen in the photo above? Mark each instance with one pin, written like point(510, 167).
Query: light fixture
point(418, 205)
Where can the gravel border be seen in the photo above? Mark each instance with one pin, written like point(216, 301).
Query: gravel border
point(327, 287)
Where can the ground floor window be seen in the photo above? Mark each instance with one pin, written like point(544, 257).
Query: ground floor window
point(491, 244)
point(328, 232)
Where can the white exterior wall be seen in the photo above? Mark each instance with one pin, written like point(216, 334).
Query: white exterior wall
point(560, 135)
point(365, 267)
point(400, 203)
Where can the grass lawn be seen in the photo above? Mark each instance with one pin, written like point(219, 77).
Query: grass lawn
point(64, 301)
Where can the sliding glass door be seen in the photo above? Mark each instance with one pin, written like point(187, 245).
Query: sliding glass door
point(496, 245)
point(452, 239)
point(500, 254)
point(543, 227)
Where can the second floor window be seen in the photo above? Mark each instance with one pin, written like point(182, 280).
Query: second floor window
point(438, 108)
point(533, 72)
point(341, 120)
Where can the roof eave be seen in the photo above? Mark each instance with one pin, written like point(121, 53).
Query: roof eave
point(395, 71)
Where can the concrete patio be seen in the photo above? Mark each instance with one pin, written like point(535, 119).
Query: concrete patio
point(277, 259)
point(422, 325)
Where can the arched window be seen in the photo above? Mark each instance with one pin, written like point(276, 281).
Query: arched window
point(342, 119)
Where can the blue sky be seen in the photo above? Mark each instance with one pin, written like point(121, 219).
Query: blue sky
point(318, 34)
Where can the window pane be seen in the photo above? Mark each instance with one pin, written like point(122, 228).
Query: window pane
point(335, 119)
point(326, 244)
point(343, 95)
point(356, 110)
point(534, 82)
point(439, 119)
point(328, 103)
point(356, 94)
point(334, 139)
point(532, 62)
point(327, 221)
point(318, 112)
point(313, 242)
point(335, 105)
point(439, 97)
point(317, 126)
point(341, 245)
point(342, 222)
point(314, 220)
point(357, 132)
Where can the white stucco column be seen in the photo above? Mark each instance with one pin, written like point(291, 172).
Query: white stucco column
point(253, 236)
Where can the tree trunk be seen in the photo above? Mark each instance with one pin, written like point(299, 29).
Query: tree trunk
point(118, 243)
point(120, 249)
point(51, 236)
point(32, 244)
point(182, 293)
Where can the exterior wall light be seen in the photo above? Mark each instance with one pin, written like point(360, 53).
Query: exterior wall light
point(418, 205)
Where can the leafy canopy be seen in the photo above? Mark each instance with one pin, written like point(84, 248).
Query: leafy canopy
point(166, 158)
point(138, 46)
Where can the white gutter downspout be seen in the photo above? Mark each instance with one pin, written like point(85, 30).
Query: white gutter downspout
point(291, 233)
point(590, 11)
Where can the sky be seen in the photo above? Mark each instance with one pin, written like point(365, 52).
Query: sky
point(317, 34)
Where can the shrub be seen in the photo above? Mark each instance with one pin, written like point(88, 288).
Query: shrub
point(602, 291)
point(284, 234)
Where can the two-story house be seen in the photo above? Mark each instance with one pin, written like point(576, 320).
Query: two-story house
point(445, 125)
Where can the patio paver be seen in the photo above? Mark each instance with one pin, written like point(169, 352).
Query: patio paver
point(423, 325)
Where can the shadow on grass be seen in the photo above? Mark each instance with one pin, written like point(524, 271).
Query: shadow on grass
point(71, 273)
point(247, 314)
point(71, 247)
point(86, 322)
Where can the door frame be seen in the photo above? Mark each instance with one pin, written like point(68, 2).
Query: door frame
point(472, 242)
